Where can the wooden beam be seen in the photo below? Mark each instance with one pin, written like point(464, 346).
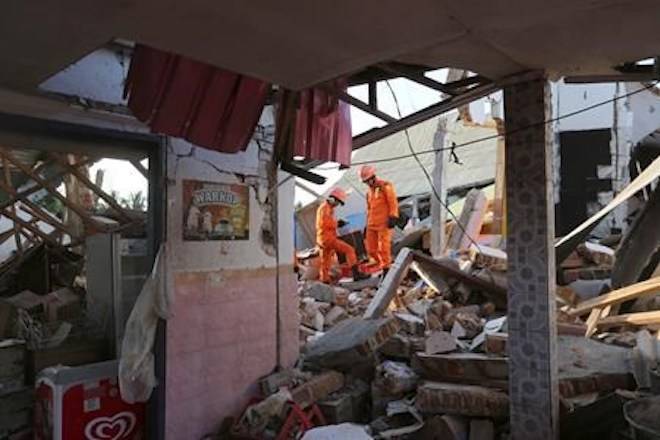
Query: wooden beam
point(138, 166)
point(373, 95)
point(4, 236)
point(620, 77)
point(30, 237)
point(33, 189)
point(35, 211)
point(344, 96)
point(9, 188)
point(30, 227)
point(50, 188)
point(417, 77)
point(91, 185)
point(420, 116)
point(636, 319)
point(617, 296)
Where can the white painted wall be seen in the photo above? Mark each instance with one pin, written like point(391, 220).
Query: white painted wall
point(99, 76)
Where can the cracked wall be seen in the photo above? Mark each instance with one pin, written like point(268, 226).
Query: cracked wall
point(224, 334)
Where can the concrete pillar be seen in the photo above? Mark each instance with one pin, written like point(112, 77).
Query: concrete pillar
point(531, 262)
point(438, 212)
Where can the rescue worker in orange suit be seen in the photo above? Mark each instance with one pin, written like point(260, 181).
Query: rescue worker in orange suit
point(382, 216)
point(326, 237)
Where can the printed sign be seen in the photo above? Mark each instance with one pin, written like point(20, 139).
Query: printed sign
point(115, 427)
point(215, 211)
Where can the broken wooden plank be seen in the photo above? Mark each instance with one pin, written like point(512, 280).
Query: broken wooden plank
point(617, 296)
point(37, 187)
point(465, 400)
point(466, 368)
point(566, 245)
point(35, 211)
point(388, 287)
point(138, 166)
point(50, 188)
point(30, 227)
point(636, 319)
point(91, 185)
point(592, 322)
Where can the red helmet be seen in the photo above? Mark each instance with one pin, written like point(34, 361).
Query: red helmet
point(367, 172)
point(338, 194)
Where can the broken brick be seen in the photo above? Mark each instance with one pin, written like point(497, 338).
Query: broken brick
point(465, 400)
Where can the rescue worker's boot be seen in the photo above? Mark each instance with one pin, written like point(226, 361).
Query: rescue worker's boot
point(357, 275)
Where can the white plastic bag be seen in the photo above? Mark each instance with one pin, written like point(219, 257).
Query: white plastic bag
point(136, 365)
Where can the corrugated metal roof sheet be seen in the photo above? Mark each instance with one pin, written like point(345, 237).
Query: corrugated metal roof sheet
point(478, 159)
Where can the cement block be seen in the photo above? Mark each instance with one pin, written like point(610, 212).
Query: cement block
point(465, 400)
point(350, 341)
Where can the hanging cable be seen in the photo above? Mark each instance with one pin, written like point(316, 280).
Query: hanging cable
point(426, 173)
point(496, 136)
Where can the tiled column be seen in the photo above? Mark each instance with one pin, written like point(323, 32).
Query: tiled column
point(531, 262)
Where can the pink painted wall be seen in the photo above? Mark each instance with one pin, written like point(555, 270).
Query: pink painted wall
point(220, 341)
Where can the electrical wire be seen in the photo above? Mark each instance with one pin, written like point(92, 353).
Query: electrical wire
point(496, 136)
point(426, 173)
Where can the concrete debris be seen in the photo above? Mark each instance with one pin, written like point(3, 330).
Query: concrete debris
point(350, 341)
point(317, 388)
point(397, 377)
point(468, 368)
point(440, 342)
point(256, 417)
point(462, 400)
point(434, 331)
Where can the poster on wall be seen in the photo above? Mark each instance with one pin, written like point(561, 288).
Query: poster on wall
point(215, 211)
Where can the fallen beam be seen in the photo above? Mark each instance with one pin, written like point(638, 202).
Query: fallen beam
point(388, 288)
point(617, 296)
point(566, 245)
point(636, 319)
point(453, 272)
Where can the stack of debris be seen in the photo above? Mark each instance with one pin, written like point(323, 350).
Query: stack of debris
point(428, 342)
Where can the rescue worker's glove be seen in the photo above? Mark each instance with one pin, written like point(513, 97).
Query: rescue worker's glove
point(391, 222)
point(341, 223)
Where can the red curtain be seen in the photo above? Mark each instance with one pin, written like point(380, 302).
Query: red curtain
point(323, 126)
point(203, 104)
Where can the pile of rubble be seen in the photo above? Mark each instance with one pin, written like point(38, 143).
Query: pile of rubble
point(422, 352)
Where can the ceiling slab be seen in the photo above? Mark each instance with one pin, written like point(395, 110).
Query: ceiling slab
point(301, 43)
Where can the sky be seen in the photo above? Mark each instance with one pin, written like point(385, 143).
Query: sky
point(411, 96)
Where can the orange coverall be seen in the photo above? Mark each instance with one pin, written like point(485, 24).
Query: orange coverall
point(327, 241)
point(381, 205)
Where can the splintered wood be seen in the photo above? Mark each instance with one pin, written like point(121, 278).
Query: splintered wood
point(617, 296)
